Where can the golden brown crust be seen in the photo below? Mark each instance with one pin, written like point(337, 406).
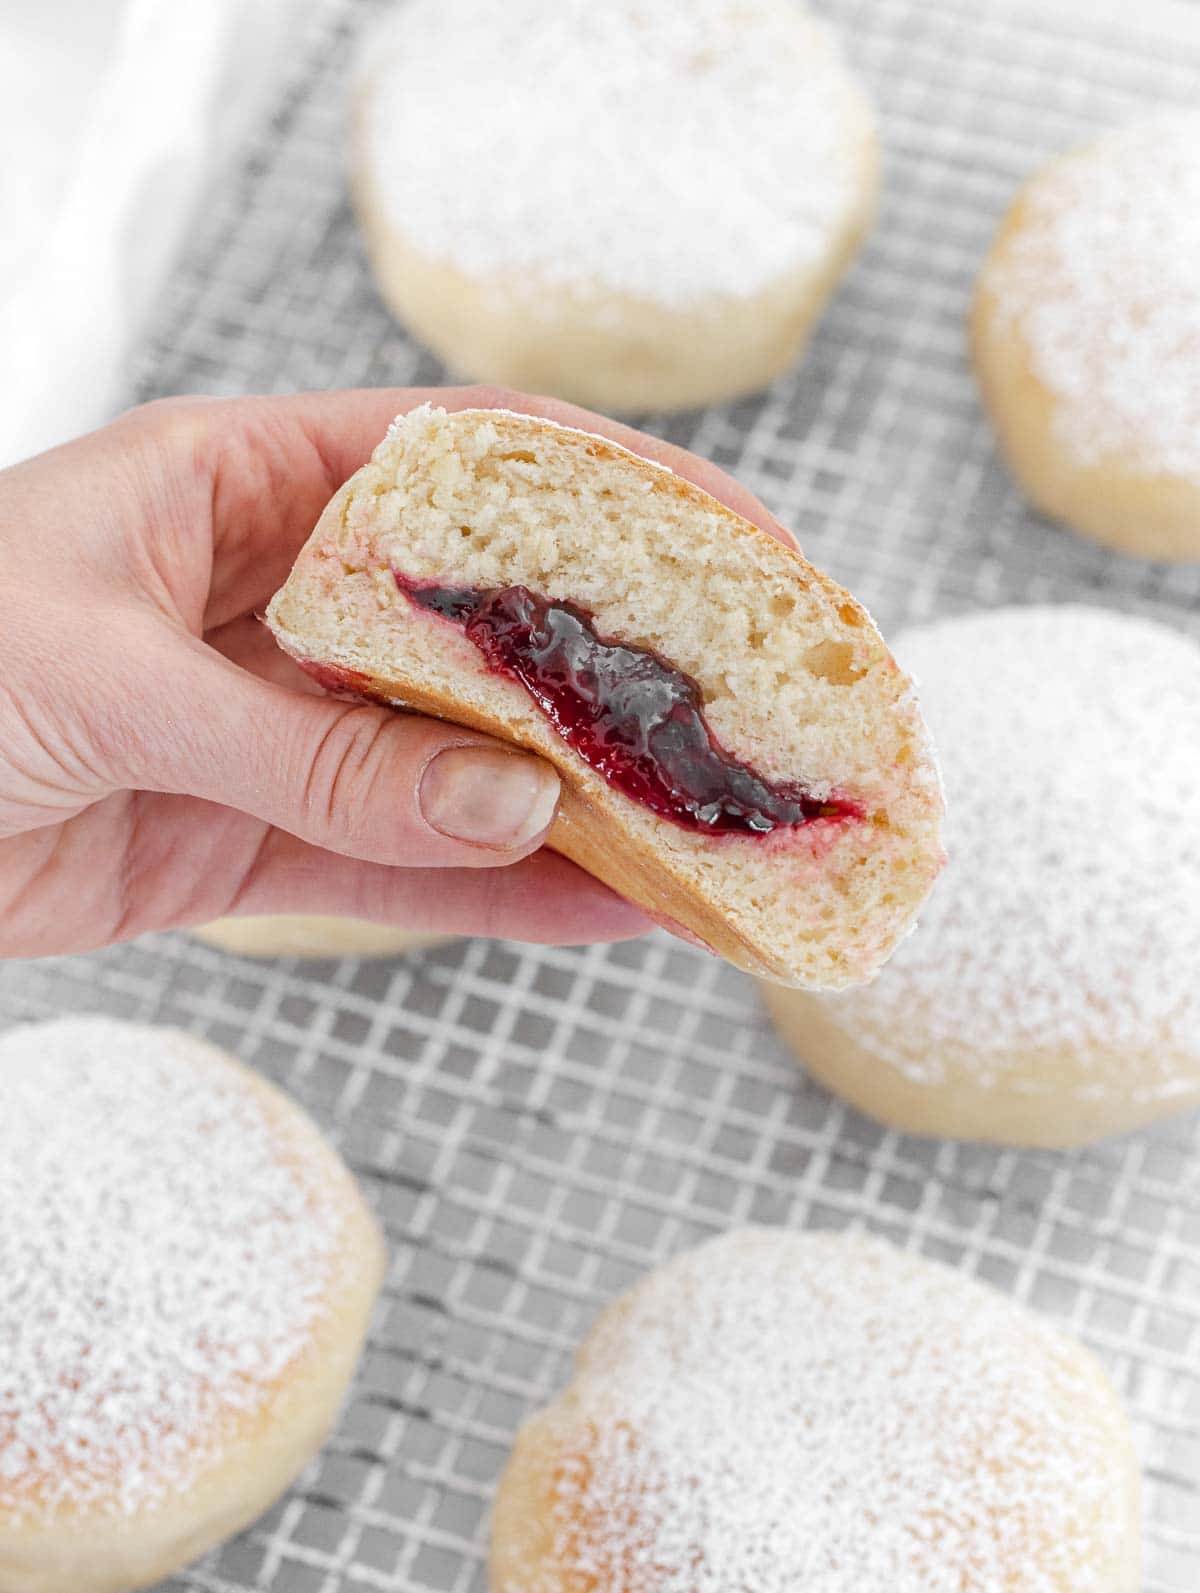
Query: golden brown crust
point(1049, 1097)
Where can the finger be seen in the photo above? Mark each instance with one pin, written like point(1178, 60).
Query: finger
point(170, 862)
point(543, 898)
point(356, 779)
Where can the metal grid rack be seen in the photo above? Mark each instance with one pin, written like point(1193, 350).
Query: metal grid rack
point(539, 1127)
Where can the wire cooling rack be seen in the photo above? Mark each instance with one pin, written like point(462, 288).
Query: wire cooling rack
point(539, 1127)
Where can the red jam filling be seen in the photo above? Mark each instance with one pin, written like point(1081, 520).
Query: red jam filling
point(627, 711)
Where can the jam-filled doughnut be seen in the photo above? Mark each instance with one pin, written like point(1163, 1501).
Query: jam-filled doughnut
point(631, 205)
point(309, 935)
point(186, 1274)
point(739, 752)
point(1086, 333)
point(1051, 991)
point(783, 1412)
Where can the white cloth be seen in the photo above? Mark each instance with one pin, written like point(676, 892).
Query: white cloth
point(114, 116)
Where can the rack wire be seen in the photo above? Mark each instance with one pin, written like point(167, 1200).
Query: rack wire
point(539, 1127)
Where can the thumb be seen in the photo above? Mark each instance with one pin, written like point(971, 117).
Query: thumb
point(364, 781)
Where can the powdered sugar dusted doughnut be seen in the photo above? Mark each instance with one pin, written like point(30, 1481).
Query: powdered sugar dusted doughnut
point(1086, 331)
point(785, 1412)
point(309, 935)
point(1051, 991)
point(187, 1274)
point(630, 205)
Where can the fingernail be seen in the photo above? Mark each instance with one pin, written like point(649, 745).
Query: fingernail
point(488, 798)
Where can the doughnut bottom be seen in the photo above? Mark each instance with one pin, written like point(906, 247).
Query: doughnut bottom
point(309, 935)
point(1049, 1097)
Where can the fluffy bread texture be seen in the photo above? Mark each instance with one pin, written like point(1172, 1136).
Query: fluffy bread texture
point(313, 935)
point(1051, 993)
point(633, 207)
point(786, 1411)
point(795, 679)
point(188, 1273)
point(1085, 333)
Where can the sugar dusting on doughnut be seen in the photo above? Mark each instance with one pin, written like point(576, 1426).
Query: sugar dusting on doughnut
point(164, 1245)
point(1101, 279)
point(775, 1411)
point(1069, 913)
point(656, 150)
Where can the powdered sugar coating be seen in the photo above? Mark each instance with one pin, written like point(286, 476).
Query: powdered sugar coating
point(1068, 916)
point(671, 153)
point(1101, 280)
point(778, 1411)
point(165, 1245)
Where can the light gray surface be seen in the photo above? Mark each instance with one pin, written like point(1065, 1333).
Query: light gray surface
point(538, 1127)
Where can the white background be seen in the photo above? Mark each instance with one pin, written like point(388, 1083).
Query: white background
point(114, 115)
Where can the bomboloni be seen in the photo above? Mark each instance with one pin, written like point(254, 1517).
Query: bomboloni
point(783, 1411)
point(1086, 339)
point(187, 1275)
point(630, 205)
point(739, 753)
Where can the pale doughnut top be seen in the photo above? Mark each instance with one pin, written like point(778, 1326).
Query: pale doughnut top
point(1068, 915)
point(669, 152)
point(1102, 280)
point(164, 1249)
point(778, 1411)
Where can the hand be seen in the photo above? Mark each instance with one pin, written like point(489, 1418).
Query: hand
point(163, 764)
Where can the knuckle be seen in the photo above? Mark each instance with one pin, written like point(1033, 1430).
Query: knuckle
point(175, 434)
point(164, 415)
point(342, 785)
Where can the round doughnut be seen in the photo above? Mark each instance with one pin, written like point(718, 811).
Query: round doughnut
point(634, 206)
point(787, 1412)
point(309, 935)
point(1086, 338)
point(188, 1271)
point(1050, 994)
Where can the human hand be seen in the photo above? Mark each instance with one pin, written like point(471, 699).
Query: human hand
point(163, 764)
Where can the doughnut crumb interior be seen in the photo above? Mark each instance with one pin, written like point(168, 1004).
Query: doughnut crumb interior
point(793, 681)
